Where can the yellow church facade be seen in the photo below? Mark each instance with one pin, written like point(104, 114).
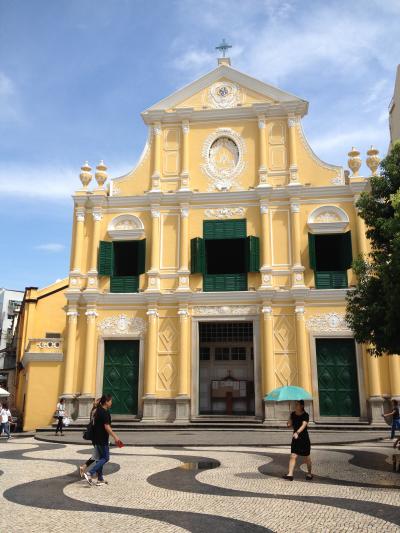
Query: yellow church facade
point(212, 273)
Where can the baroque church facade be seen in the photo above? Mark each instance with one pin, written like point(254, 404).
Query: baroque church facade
point(212, 273)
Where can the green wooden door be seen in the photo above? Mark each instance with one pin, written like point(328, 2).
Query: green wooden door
point(337, 377)
point(121, 375)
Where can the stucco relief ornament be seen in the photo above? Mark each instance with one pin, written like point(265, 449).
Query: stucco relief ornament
point(327, 322)
point(223, 95)
point(122, 325)
point(223, 159)
point(225, 212)
point(226, 310)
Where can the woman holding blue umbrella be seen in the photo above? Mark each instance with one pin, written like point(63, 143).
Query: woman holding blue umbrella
point(301, 445)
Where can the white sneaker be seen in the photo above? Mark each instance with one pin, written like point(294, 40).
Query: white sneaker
point(88, 478)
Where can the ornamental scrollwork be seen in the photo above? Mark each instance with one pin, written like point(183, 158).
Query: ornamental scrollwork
point(232, 310)
point(328, 322)
point(225, 212)
point(122, 325)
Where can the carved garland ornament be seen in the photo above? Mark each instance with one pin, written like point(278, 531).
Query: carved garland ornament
point(327, 322)
point(223, 158)
point(122, 325)
point(226, 310)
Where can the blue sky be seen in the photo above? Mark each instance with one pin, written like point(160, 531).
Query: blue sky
point(75, 75)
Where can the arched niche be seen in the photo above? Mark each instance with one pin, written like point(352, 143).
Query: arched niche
point(125, 228)
point(328, 219)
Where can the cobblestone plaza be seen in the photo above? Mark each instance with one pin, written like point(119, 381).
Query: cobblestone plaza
point(198, 489)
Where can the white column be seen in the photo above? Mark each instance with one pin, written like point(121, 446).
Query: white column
point(263, 150)
point(185, 156)
point(292, 123)
point(266, 267)
point(155, 178)
point(92, 274)
point(153, 273)
point(297, 267)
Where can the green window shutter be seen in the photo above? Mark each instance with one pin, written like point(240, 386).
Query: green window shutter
point(253, 254)
point(197, 256)
point(124, 284)
point(141, 256)
point(335, 279)
point(346, 252)
point(311, 251)
point(105, 258)
point(224, 229)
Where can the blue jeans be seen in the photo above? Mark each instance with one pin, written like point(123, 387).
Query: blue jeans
point(103, 454)
point(5, 426)
point(395, 425)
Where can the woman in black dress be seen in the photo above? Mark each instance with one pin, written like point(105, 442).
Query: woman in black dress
point(301, 441)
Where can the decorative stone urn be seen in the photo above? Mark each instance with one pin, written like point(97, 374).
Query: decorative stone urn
point(373, 160)
point(101, 174)
point(85, 176)
point(354, 161)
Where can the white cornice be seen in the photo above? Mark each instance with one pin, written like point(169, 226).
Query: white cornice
point(328, 192)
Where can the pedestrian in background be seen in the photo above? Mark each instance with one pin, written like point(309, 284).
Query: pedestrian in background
point(394, 413)
point(5, 415)
point(102, 430)
point(60, 414)
point(301, 445)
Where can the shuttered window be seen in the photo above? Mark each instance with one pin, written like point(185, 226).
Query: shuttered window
point(105, 260)
point(123, 261)
point(197, 253)
point(330, 258)
point(253, 254)
point(224, 229)
point(124, 284)
point(225, 282)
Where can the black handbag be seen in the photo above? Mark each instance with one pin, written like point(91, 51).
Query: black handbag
point(88, 434)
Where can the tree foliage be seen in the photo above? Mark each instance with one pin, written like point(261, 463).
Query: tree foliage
point(373, 307)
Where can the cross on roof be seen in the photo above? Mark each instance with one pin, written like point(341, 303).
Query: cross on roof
point(223, 47)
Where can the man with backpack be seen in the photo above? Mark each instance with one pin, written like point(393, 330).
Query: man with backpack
point(102, 430)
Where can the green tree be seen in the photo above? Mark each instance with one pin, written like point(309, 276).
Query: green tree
point(373, 307)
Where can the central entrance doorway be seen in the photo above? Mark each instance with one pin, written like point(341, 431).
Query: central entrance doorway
point(226, 368)
point(121, 375)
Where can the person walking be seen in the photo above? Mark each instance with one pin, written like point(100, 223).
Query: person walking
point(102, 430)
point(394, 413)
point(301, 445)
point(94, 457)
point(60, 414)
point(5, 415)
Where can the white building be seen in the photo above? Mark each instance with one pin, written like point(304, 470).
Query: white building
point(10, 305)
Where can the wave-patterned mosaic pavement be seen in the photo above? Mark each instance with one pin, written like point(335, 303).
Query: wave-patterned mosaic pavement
point(161, 489)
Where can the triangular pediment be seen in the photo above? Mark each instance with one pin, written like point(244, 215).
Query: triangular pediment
point(225, 87)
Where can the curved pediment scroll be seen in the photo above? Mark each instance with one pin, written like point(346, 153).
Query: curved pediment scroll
point(328, 219)
point(126, 227)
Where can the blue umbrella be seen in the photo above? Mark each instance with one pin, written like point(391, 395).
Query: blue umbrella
point(288, 394)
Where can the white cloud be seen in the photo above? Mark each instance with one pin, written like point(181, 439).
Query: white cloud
point(6, 85)
point(52, 247)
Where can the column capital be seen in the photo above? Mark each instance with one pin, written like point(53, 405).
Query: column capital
point(295, 206)
point(72, 312)
point(261, 121)
point(299, 310)
point(156, 128)
point(91, 314)
point(80, 214)
point(155, 211)
point(185, 127)
point(264, 208)
point(97, 214)
point(183, 312)
point(152, 313)
point(184, 211)
point(293, 120)
point(267, 310)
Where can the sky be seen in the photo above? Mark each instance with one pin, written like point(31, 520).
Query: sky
point(75, 75)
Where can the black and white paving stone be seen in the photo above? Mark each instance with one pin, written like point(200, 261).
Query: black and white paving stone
point(198, 489)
